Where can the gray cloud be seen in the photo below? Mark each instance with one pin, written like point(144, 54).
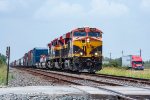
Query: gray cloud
point(58, 9)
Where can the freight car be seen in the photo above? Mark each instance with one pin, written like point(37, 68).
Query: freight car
point(32, 58)
point(79, 50)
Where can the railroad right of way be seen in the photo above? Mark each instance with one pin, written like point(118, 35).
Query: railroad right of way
point(38, 77)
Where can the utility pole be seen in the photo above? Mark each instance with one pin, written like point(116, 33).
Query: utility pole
point(110, 56)
point(122, 53)
point(140, 52)
point(8, 58)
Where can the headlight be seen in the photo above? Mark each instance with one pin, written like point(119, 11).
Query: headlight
point(88, 40)
point(96, 53)
point(81, 53)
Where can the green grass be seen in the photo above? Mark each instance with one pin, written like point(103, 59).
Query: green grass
point(3, 69)
point(124, 72)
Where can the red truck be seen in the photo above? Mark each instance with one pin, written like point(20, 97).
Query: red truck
point(133, 61)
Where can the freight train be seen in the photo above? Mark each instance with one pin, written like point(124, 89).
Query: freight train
point(79, 50)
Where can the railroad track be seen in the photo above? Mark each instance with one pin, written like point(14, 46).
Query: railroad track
point(72, 79)
point(88, 77)
point(122, 78)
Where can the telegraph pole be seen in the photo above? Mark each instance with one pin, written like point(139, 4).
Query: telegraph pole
point(140, 52)
point(8, 58)
point(122, 53)
point(110, 56)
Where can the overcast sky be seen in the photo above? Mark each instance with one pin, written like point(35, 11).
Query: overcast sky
point(25, 24)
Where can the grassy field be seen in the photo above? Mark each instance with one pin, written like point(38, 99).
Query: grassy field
point(2, 74)
point(123, 72)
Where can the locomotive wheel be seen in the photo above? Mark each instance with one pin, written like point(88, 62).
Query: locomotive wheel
point(62, 66)
point(49, 65)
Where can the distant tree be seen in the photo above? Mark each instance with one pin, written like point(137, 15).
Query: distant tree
point(2, 59)
point(112, 63)
point(106, 59)
point(147, 64)
point(119, 61)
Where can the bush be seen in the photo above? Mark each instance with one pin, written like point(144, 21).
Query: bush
point(147, 64)
point(2, 59)
point(113, 63)
point(106, 65)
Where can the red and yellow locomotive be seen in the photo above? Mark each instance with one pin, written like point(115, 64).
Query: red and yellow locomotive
point(79, 50)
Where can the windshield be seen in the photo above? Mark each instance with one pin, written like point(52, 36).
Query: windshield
point(94, 34)
point(79, 33)
point(137, 62)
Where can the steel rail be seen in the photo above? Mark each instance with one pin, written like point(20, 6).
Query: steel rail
point(65, 78)
point(122, 78)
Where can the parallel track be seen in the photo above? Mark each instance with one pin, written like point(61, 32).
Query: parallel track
point(122, 78)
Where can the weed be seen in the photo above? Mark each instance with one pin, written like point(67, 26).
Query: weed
point(118, 71)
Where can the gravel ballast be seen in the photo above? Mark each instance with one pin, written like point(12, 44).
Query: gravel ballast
point(22, 78)
point(41, 97)
point(103, 79)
